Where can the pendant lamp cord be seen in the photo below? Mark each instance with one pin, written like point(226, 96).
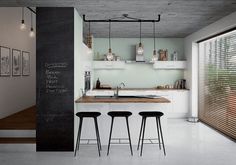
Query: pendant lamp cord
point(31, 16)
point(154, 37)
point(23, 13)
point(109, 34)
point(140, 31)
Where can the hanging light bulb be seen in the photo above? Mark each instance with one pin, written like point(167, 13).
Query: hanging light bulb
point(140, 46)
point(22, 26)
point(31, 34)
point(109, 54)
point(154, 56)
point(89, 42)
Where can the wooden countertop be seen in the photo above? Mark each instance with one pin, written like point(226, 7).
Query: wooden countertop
point(157, 89)
point(92, 99)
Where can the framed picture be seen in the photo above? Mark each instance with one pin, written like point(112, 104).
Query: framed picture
point(16, 62)
point(25, 63)
point(5, 61)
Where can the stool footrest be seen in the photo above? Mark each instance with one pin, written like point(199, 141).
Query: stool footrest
point(119, 140)
point(88, 141)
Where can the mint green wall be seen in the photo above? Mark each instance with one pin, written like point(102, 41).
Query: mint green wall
point(138, 75)
point(125, 47)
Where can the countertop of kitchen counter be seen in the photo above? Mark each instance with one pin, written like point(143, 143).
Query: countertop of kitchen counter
point(161, 89)
point(92, 99)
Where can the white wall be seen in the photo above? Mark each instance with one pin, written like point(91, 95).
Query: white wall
point(17, 93)
point(191, 52)
point(82, 63)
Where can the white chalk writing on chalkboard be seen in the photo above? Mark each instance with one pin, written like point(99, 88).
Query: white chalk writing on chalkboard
point(53, 82)
point(56, 65)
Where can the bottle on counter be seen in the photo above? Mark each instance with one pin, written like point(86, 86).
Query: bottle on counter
point(98, 84)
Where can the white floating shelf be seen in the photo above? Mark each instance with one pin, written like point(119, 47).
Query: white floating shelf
point(170, 65)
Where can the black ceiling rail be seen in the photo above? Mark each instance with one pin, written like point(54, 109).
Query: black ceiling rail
point(129, 19)
point(31, 10)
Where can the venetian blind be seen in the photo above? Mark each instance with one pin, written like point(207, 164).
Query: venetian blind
point(217, 83)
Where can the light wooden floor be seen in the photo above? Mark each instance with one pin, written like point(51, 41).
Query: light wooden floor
point(23, 120)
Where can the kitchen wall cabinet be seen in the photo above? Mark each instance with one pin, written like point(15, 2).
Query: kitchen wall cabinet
point(103, 65)
point(170, 65)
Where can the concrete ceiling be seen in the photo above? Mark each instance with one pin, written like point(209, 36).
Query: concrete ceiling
point(179, 18)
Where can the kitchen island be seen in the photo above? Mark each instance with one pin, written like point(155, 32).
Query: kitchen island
point(132, 104)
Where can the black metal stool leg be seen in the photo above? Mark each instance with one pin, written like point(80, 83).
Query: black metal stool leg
point(127, 122)
point(158, 133)
point(98, 143)
point(79, 135)
point(140, 133)
point(144, 124)
point(112, 119)
point(163, 145)
point(98, 134)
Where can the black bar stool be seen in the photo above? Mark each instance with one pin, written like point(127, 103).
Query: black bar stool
point(93, 115)
point(145, 115)
point(114, 114)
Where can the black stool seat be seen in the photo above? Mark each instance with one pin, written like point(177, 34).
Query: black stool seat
point(151, 114)
point(88, 114)
point(119, 113)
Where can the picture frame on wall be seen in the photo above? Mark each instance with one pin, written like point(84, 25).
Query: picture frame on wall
point(5, 61)
point(25, 63)
point(16, 62)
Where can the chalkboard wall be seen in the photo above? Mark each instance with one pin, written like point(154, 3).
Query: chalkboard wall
point(55, 79)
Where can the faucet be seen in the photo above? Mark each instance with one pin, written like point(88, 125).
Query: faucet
point(120, 86)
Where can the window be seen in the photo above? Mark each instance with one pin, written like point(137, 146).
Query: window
point(217, 83)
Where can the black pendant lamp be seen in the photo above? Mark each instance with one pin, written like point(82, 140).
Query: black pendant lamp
point(22, 26)
point(154, 57)
point(140, 46)
point(31, 34)
point(109, 54)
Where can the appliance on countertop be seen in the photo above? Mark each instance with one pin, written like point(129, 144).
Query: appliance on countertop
point(180, 84)
point(87, 81)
